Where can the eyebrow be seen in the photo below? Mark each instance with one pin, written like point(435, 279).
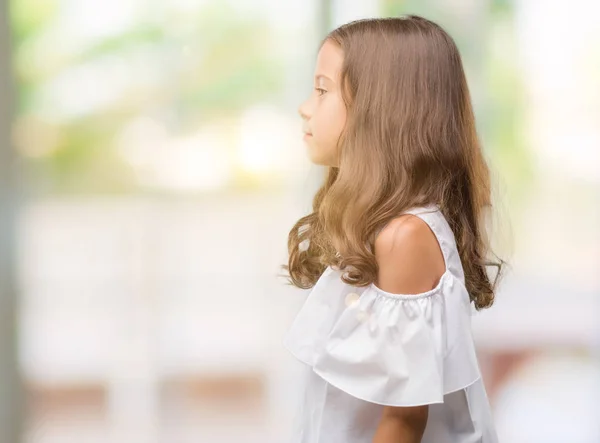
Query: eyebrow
point(321, 76)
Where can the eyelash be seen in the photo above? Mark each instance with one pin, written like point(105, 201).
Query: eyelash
point(320, 91)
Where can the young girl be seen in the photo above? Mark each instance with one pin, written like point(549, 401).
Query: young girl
point(394, 249)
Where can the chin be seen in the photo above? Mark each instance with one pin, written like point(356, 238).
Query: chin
point(317, 159)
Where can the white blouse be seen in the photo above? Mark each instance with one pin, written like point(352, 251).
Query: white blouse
point(365, 348)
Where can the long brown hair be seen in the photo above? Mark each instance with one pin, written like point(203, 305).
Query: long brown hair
point(409, 140)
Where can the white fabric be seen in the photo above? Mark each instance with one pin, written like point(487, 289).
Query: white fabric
point(365, 348)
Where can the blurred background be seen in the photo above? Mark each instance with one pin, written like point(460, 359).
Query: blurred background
point(151, 165)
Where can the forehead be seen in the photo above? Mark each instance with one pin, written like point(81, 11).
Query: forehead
point(329, 60)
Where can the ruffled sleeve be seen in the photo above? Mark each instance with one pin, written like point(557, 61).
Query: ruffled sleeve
point(389, 349)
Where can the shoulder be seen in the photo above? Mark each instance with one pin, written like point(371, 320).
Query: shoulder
point(408, 255)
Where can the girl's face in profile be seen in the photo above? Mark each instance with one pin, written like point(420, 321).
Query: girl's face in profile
point(324, 112)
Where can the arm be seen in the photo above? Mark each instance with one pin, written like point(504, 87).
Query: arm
point(410, 262)
point(401, 425)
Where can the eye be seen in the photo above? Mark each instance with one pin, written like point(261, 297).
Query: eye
point(320, 91)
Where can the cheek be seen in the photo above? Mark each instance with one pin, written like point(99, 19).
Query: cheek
point(340, 121)
point(327, 127)
point(329, 122)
